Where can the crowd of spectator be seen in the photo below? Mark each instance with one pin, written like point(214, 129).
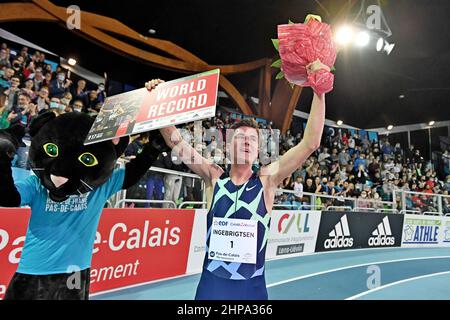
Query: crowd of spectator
point(29, 87)
point(369, 171)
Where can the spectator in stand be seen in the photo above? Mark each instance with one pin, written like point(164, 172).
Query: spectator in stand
point(18, 68)
point(4, 59)
point(59, 86)
point(351, 145)
point(447, 183)
point(38, 79)
point(5, 82)
point(155, 180)
point(309, 187)
point(90, 100)
point(345, 139)
point(361, 177)
point(42, 101)
point(101, 92)
point(373, 168)
point(324, 158)
point(418, 157)
point(360, 161)
point(79, 90)
point(47, 80)
point(387, 150)
point(446, 162)
point(297, 186)
point(29, 88)
point(398, 151)
point(409, 154)
point(11, 94)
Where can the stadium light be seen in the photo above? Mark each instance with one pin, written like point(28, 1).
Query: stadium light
point(362, 39)
point(339, 122)
point(431, 123)
point(390, 127)
point(344, 35)
point(72, 61)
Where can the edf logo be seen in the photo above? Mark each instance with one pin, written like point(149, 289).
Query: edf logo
point(221, 223)
point(287, 220)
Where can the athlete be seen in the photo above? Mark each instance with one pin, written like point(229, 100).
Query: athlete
point(239, 212)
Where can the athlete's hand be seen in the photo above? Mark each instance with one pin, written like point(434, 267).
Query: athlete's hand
point(152, 84)
point(316, 66)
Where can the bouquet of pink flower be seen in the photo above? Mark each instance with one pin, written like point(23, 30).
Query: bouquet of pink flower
point(301, 44)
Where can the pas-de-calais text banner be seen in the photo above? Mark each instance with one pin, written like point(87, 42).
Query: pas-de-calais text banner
point(132, 246)
point(13, 227)
point(179, 101)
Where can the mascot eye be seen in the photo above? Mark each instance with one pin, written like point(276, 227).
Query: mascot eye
point(51, 150)
point(88, 159)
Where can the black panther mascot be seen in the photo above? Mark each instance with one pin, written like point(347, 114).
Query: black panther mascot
point(71, 185)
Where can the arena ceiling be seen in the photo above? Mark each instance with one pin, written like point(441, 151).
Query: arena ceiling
point(368, 83)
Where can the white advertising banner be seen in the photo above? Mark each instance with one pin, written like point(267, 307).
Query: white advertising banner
point(292, 233)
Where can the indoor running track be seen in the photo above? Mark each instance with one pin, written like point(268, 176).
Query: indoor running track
point(405, 274)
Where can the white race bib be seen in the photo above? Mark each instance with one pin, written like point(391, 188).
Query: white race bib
point(233, 240)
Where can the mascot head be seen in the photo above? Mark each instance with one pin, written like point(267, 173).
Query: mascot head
point(60, 159)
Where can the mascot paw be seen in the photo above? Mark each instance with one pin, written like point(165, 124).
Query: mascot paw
point(157, 141)
point(10, 140)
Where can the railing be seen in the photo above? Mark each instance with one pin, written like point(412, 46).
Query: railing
point(410, 211)
point(280, 205)
point(120, 199)
point(352, 203)
point(312, 207)
point(181, 205)
point(119, 203)
point(364, 209)
point(338, 207)
point(388, 210)
point(432, 213)
point(424, 202)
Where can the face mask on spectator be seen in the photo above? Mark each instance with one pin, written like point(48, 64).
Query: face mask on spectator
point(54, 105)
point(101, 88)
point(61, 77)
point(77, 109)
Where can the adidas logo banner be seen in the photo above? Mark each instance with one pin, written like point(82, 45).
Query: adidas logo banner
point(382, 235)
point(355, 230)
point(340, 236)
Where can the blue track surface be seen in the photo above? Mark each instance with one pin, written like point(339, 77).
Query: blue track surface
point(403, 273)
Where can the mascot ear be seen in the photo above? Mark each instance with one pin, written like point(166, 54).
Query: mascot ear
point(18, 132)
point(39, 122)
point(121, 145)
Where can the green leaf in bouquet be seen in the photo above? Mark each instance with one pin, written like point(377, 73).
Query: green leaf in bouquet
point(276, 64)
point(291, 85)
point(313, 16)
point(290, 22)
point(276, 43)
point(280, 75)
point(333, 69)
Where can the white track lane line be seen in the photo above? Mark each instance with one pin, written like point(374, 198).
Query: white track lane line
point(395, 283)
point(350, 267)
